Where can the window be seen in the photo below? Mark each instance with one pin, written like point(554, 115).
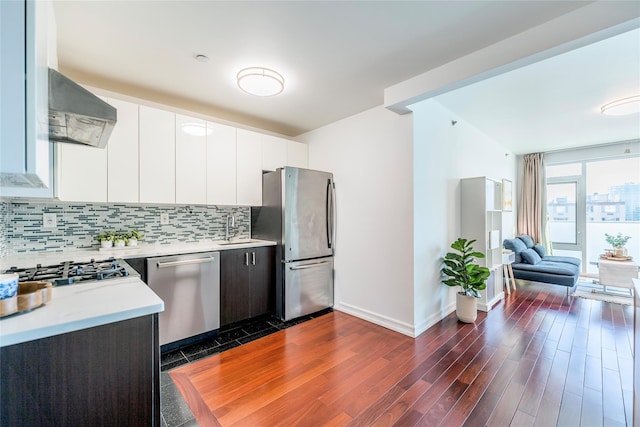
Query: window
point(587, 199)
point(561, 207)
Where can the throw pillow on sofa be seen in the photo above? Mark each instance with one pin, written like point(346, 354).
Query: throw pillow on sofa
point(515, 245)
point(530, 256)
point(540, 250)
point(528, 241)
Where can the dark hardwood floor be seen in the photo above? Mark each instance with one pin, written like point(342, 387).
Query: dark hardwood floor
point(538, 358)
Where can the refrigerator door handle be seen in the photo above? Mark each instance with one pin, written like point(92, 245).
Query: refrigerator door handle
point(329, 213)
point(333, 215)
point(305, 266)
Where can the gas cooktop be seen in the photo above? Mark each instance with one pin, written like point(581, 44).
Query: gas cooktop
point(69, 272)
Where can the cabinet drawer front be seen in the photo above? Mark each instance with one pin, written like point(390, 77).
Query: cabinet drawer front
point(308, 286)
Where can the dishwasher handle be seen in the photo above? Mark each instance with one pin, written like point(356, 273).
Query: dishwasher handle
point(166, 264)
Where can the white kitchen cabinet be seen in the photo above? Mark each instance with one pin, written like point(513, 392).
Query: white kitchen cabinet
point(122, 153)
point(221, 165)
point(27, 30)
point(81, 172)
point(191, 161)
point(157, 156)
point(297, 154)
point(274, 152)
point(249, 168)
point(279, 152)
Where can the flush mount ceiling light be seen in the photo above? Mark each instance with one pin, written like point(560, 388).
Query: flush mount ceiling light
point(260, 81)
point(196, 129)
point(622, 107)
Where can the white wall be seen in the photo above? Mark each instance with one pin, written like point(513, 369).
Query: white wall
point(443, 154)
point(398, 190)
point(370, 155)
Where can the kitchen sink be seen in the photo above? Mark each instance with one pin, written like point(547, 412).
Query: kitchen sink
point(235, 242)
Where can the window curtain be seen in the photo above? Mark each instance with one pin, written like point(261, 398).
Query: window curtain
point(532, 209)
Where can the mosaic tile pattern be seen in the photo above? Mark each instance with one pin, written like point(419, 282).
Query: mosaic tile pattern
point(4, 228)
point(77, 224)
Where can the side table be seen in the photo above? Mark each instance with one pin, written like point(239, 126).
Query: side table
point(617, 273)
point(507, 260)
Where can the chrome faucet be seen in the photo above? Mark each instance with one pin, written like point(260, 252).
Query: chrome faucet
point(231, 222)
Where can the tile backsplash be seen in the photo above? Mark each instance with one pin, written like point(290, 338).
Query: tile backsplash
point(4, 228)
point(21, 224)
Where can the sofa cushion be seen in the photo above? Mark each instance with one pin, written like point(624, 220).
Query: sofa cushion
point(528, 241)
point(530, 256)
point(557, 273)
point(566, 259)
point(557, 268)
point(516, 245)
point(540, 249)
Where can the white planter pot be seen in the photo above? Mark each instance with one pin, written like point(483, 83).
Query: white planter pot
point(466, 308)
point(118, 243)
point(132, 242)
point(620, 252)
point(106, 244)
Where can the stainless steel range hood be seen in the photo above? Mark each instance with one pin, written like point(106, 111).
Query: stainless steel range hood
point(76, 115)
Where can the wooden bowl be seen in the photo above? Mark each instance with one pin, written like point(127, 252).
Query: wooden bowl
point(33, 294)
point(30, 295)
point(8, 306)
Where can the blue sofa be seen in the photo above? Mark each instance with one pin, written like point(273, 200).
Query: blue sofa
point(533, 263)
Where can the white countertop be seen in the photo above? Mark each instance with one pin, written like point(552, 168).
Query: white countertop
point(30, 259)
point(81, 306)
point(85, 305)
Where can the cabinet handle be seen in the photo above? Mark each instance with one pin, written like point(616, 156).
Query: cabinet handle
point(253, 258)
point(246, 258)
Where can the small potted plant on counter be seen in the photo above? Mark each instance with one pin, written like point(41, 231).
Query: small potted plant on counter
point(119, 240)
point(106, 239)
point(618, 243)
point(134, 236)
point(460, 270)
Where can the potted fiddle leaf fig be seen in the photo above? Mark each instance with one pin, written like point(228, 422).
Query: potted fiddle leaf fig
point(460, 270)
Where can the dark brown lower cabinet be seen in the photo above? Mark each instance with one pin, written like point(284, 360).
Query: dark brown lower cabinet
point(247, 283)
point(105, 375)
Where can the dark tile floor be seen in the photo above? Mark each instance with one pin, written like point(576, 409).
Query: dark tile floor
point(174, 410)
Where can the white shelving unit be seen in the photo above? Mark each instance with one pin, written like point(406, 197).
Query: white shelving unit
point(481, 219)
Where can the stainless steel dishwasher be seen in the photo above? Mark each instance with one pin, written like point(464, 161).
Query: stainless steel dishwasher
point(189, 285)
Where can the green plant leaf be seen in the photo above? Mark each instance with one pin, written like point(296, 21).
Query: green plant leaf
point(476, 254)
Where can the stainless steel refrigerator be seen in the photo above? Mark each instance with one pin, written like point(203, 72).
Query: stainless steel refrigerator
point(298, 212)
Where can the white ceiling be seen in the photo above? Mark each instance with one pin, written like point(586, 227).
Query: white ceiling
point(337, 57)
point(555, 104)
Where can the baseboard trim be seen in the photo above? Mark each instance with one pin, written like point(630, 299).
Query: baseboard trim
point(490, 304)
point(393, 324)
point(434, 318)
point(378, 319)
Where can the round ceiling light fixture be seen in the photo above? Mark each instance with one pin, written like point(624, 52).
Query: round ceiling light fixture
point(260, 81)
point(622, 107)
